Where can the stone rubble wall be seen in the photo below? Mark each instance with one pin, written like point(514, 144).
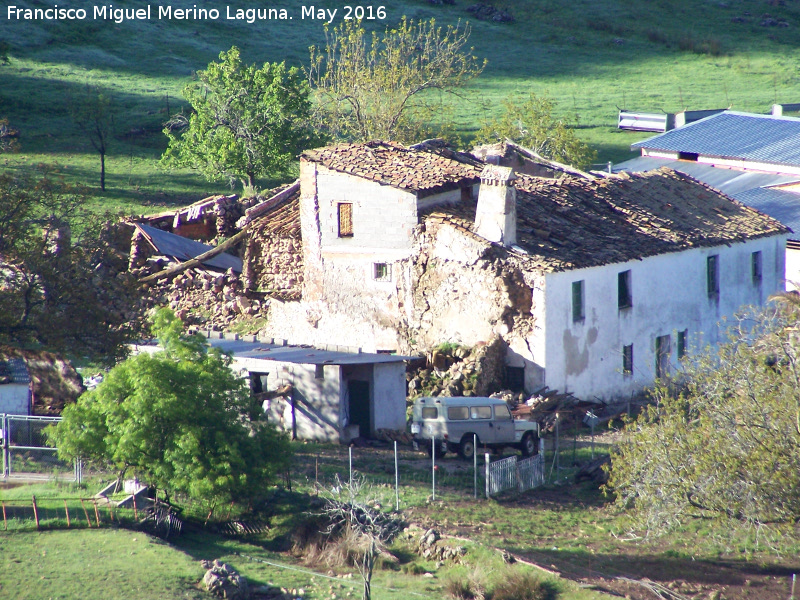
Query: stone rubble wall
point(273, 263)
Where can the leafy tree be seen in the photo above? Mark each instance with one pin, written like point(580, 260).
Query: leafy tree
point(178, 418)
point(381, 88)
point(246, 122)
point(531, 124)
point(94, 112)
point(63, 282)
point(727, 444)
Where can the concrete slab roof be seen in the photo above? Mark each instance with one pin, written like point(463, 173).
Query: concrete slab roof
point(300, 354)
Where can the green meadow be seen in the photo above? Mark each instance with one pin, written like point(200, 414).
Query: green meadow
point(592, 58)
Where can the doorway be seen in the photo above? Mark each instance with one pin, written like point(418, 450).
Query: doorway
point(359, 407)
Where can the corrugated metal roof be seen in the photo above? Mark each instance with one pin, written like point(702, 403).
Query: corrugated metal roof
point(301, 355)
point(750, 188)
point(185, 249)
point(736, 135)
point(16, 369)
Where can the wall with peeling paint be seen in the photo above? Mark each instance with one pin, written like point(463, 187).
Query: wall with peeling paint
point(669, 294)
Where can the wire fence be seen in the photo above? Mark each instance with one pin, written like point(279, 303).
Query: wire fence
point(26, 454)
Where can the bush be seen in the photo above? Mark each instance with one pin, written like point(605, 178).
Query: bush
point(465, 588)
point(523, 586)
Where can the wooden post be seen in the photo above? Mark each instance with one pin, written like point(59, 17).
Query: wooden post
point(66, 510)
point(86, 512)
point(35, 512)
point(5, 523)
point(96, 514)
point(135, 513)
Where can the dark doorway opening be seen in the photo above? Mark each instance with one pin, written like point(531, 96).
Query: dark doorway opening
point(515, 379)
point(359, 407)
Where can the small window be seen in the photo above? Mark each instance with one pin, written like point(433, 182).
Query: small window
point(319, 372)
point(430, 412)
point(627, 360)
point(381, 272)
point(345, 219)
point(481, 412)
point(682, 336)
point(712, 275)
point(693, 156)
point(458, 413)
point(624, 295)
point(502, 413)
point(755, 267)
point(663, 349)
point(578, 309)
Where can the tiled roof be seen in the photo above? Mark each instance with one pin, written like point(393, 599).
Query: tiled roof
point(14, 370)
point(731, 134)
point(423, 171)
point(283, 218)
point(752, 188)
point(574, 223)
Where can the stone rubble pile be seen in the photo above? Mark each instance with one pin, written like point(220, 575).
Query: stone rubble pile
point(460, 372)
point(430, 548)
point(223, 581)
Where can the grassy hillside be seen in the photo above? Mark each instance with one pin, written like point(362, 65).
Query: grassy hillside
point(591, 57)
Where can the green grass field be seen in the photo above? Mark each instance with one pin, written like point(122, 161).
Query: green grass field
point(591, 57)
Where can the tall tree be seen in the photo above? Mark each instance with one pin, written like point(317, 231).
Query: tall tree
point(63, 282)
point(384, 87)
point(94, 112)
point(726, 444)
point(246, 122)
point(180, 419)
point(531, 124)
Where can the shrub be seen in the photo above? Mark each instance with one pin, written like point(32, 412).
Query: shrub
point(468, 587)
point(518, 585)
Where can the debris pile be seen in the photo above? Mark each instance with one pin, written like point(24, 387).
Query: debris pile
point(459, 371)
point(430, 548)
point(487, 12)
point(223, 581)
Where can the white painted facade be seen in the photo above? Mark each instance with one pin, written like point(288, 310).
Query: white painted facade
point(320, 409)
point(669, 295)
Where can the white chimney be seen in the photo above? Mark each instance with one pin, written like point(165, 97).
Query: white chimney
point(496, 215)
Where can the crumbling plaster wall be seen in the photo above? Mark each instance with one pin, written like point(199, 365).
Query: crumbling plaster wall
point(467, 291)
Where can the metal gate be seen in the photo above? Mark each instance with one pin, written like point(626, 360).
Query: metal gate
point(26, 453)
point(510, 473)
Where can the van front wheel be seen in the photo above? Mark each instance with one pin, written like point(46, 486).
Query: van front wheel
point(467, 447)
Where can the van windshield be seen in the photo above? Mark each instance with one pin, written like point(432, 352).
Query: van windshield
point(430, 412)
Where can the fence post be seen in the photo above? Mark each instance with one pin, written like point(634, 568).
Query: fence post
point(5, 523)
point(135, 512)
point(475, 464)
point(486, 458)
point(396, 479)
point(6, 442)
point(350, 453)
point(86, 512)
point(433, 470)
point(35, 512)
point(96, 514)
point(66, 510)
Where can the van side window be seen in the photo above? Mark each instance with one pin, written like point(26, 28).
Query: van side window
point(458, 413)
point(430, 412)
point(481, 412)
point(502, 412)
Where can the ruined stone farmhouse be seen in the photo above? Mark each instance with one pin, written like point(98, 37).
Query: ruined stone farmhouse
point(596, 284)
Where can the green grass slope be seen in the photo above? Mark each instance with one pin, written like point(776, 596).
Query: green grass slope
point(591, 57)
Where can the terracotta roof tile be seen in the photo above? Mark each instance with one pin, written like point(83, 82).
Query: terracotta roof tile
point(574, 222)
point(423, 171)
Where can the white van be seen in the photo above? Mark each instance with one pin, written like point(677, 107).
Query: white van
point(453, 422)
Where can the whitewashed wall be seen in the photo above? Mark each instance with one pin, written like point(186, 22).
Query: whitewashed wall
point(669, 295)
point(792, 269)
point(15, 399)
